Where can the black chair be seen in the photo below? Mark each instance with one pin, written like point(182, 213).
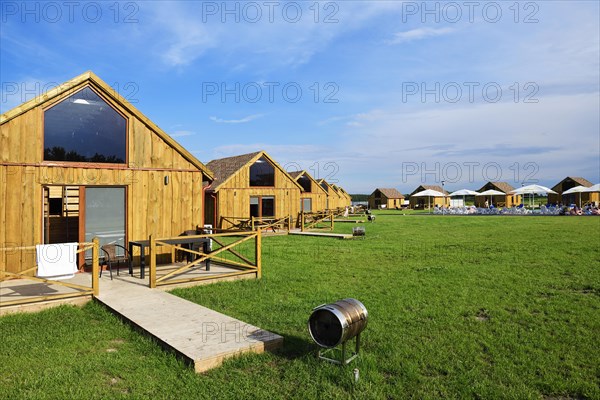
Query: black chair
point(194, 247)
point(110, 256)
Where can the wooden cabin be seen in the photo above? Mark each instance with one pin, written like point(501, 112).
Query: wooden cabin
point(346, 199)
point(250, 185)
point(507, 200)
point(334, 200)
point(423, 202)
point(80, 161)
point(386, 198)
point(313, 197)
point(568, 183)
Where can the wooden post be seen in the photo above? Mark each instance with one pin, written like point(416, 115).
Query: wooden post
point(252, 223)
point(258, 250)
point(95, 267)
point(152, 262)
point(331, 217)
point(302, 221)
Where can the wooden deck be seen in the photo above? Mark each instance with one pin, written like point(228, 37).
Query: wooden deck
point(324, 234)
point(199, 335)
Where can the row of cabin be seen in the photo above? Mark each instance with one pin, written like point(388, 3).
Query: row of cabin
point(255, 185)
point(391, 198)
point(80, 161)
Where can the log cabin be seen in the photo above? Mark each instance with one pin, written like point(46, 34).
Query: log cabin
point(313, 197)
point(574, 198)
point(80, 161)
point(424, 202)
point(333, 198)
point(250, 185)
point(507, 200)
point(385, 198)
point(345, 198)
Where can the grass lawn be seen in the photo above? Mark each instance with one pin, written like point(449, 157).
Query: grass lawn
point(459, 307)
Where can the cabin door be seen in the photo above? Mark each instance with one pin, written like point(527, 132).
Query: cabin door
point(105, 216)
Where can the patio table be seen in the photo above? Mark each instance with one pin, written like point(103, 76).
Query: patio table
point(183, 240)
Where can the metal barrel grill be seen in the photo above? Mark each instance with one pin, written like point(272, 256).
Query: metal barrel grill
point(333, 324)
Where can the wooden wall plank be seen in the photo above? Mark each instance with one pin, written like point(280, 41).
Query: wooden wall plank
point(3, 194)
point(14, 214)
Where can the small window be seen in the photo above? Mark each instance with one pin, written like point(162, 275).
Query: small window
point(306, 205)
point(324, 186)
point(262, 173)
point(304, 181)
point(84, 128)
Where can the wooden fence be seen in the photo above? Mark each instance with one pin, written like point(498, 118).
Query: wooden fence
point(256, 223)
point(83, 291)
point(228, 243)
point(315, 220)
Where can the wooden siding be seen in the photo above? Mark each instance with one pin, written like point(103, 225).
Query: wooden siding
point(152, 207)
point(317, 195)
point(233, 198)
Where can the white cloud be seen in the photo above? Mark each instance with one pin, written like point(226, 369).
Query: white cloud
point(418, 34)
point(236, 121)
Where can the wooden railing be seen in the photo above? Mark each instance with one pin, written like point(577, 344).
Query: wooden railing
point(313, 219)
point(224, 244)
point(256, 223)
point(83, 291)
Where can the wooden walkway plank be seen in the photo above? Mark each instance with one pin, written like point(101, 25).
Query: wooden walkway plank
point(324, 234)
point(201, 336)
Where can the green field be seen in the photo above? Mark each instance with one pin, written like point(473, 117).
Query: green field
point(459, 307)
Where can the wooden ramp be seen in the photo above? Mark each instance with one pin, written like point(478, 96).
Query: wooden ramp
point(201, 336)
point(324, 234)
point(349, 221)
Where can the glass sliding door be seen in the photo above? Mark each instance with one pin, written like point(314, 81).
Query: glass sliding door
point(267, 206)
point(105, 216)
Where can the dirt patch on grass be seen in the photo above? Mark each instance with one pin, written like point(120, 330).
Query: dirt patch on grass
point(482, 315)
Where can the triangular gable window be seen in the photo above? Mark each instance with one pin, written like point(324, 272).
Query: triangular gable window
point(85, 128)
point(262, 173)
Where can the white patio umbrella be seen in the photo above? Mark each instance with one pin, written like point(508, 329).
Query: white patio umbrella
point(577, 189)
point(594, 188)
point(429, 193)
point(533, 190)
point(491, 193)
point(463, 193)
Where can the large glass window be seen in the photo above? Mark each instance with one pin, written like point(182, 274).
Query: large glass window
point(304, 181)
point(262, 206)
point(84, 128)
point(262, 173)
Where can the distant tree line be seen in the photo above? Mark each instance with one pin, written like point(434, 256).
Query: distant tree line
point(359, 197)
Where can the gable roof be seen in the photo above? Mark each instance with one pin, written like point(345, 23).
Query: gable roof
point(420, 188)
point(501, 186)
point(341, 189)
point(390, 193)
point(91, 79)
point(297, 174)
point(323, 181)
point(225, 168)
point(577, 179)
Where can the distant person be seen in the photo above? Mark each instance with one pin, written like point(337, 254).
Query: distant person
point(487, 204)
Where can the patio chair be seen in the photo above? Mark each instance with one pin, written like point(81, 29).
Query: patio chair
point(110, 256)
point(194, 247)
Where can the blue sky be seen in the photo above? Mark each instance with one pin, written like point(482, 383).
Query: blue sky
point(363, 93)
